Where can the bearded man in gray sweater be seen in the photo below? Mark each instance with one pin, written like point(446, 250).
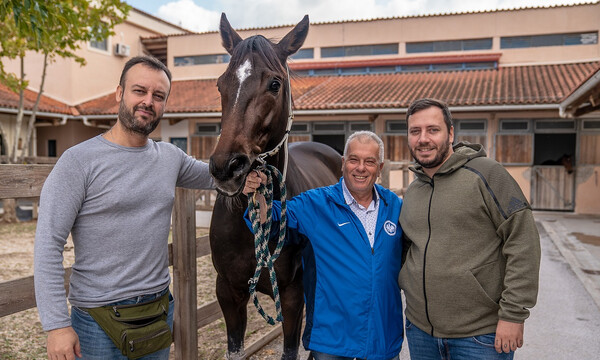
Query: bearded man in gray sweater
point(114, 194)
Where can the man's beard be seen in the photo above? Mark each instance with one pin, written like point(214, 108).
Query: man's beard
point(128, 120)
point(439, 158)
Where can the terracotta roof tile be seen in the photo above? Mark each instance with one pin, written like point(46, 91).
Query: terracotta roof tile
point(104, 105)
point(9, 99)
point(197, 95)
point(516, 85)
point(185, 96)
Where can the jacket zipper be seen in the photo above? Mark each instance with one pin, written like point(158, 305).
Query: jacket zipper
point(117, 314)
point(425, 255)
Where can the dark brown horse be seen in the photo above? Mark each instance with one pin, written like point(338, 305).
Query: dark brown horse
point(565, 160)
point(256, 101)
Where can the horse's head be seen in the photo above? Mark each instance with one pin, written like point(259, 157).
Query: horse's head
point(255, 102)
point(567, 161)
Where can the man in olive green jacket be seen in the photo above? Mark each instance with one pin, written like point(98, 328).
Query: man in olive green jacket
point(471, 267)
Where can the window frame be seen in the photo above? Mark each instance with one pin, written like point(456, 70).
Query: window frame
point(106, 51)
point(561, 130)
point(544, 40)
point(343, 130)
point(299, 55)
point(173, 140)
point(447, 45)
point(355, 50)
point(390, 123)
point(584, 156)
point(225, 59)
point(591, 120)
point(528, 132)
point(300, 132)
point(352, 124)
point(197, 132)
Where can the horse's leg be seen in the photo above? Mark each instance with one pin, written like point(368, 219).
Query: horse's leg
point(233, 303)
point(292, 302)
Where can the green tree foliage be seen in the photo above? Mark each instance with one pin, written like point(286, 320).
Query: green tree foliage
point(52, 28)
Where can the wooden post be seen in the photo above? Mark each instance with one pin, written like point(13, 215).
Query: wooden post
point(405, 173)
point(185, 330)
point(34, 211)
point(385, 174)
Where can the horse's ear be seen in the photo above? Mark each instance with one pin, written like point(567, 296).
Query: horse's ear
point(229, 38)
point(293, 40)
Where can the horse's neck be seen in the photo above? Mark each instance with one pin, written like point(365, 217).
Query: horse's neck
point(278, 159)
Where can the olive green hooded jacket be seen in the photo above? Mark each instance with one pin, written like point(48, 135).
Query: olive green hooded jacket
point(473, 247)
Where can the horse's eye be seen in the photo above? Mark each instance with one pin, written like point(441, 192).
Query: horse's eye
point(274, 86)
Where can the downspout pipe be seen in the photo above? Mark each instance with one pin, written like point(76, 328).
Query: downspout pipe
point(86, 121)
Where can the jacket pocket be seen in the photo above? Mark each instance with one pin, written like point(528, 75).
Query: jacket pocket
point(490, 278)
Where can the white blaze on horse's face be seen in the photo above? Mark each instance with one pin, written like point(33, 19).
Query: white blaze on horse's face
point(242, 74)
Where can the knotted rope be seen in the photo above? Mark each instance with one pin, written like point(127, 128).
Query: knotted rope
point(262, 232)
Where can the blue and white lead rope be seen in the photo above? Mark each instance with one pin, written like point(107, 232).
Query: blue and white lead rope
point(262, 232)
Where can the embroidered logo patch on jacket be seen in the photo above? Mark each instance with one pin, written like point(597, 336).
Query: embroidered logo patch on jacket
point(390, 228)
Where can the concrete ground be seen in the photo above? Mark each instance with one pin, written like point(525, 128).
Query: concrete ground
point(565, 323)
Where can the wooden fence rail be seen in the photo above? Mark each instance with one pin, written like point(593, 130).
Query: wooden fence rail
point(26, 181)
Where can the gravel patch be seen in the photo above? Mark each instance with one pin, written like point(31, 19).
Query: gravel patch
point(21, 335)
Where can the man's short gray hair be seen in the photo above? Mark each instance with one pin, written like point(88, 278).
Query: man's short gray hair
point(365, 135)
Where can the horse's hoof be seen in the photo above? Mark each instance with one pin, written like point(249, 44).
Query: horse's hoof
point(293, 356)
point(241, 355)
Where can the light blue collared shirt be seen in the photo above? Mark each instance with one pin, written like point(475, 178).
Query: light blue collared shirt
point(367, 216)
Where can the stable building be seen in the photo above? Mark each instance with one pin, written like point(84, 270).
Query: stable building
point(522, 82)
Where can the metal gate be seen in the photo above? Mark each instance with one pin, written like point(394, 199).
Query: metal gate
point(552, 188)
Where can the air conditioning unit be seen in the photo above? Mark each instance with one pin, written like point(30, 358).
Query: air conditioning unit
point(122, 50)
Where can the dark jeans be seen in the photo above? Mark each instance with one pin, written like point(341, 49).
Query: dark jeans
point(322, 356)
point(423, 346)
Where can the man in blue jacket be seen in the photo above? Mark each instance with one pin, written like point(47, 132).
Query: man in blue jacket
point(352, 253)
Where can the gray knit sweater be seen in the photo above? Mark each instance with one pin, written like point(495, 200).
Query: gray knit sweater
point(116, 202)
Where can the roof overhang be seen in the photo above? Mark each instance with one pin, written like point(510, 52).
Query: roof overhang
point(585, 98)
point(90, 120)
point(392, 110)
point(415, 60)
point(402, 110)
point(7, 110)
point(99, 121)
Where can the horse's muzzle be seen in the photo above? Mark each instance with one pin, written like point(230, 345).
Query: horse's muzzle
point(229, 173)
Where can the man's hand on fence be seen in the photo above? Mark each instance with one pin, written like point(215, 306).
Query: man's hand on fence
point(63, 344)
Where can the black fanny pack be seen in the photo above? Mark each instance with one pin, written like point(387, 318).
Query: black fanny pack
point(136, 329)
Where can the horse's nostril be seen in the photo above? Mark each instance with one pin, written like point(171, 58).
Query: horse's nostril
point(237, 163)
point(234, 163)
point(224, 169)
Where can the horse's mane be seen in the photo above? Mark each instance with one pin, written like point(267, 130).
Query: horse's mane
point(261, 46)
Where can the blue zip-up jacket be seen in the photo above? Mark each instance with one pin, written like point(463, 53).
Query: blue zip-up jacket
point(353, 303)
